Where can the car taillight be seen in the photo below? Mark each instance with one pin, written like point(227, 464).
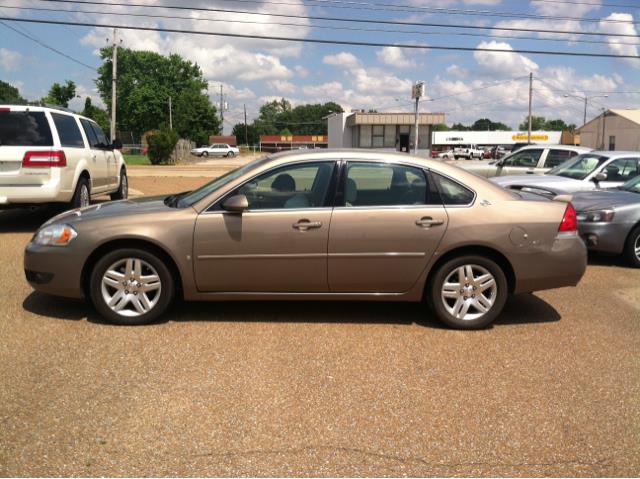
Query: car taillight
point(40, 159)
point(569, 223)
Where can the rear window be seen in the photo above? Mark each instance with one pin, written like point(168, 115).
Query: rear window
point(68, 130)
point(24, 128)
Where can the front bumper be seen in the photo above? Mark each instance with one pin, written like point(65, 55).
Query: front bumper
point(54, 270)
point(605, 237)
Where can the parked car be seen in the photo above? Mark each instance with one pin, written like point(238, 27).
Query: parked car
point(50, 155)
point(446, 155)
point(588, 171)
point(216, 149)
point(317, 225)
point(533, 159)
point(468, 152)
point(494, 153)
point(610, 220)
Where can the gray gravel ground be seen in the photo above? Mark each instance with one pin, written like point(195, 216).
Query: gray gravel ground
point(270, 389)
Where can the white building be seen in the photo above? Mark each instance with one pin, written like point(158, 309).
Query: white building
point(612, 130)
point(386, 131)
point(493, 138)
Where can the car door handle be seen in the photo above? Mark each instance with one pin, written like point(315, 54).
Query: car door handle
point(304, 225)
point(428, 222)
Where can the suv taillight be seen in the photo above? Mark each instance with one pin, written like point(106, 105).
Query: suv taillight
point(569, 223)
point(39, 159)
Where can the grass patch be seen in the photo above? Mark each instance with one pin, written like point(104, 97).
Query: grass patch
point(136, 160)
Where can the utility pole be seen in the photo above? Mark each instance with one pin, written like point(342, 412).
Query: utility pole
point(530, 100)
point(584, 120)
point(417, 92)
point(221, 110)
point(246, 134)
point(170, 115)
point(604, 119)
point(114, 77)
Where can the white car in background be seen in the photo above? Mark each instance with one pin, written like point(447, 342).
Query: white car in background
point(51, 155)
point(468, 152)
point(216, 149)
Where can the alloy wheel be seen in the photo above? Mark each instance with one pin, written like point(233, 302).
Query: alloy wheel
point(124, 183)
point(636, 247)
point(131, 287)
point(85, 199)
point(469, 292)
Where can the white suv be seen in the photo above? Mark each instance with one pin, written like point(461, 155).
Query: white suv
point(216, 149)
point(50, 155)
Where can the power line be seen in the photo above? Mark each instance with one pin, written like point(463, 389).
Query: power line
point(323, 41)
point(617, 5)
point(44, 45)
point(332, 27)
point(341, 19)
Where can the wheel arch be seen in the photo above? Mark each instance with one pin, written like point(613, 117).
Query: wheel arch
point(479, 250)
point(122, 243)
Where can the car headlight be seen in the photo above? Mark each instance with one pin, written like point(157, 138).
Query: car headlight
point(55, 235)
point(597, 216)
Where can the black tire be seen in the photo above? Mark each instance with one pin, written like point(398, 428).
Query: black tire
point(82, 194)
point(633, 242)
point(230, 154)
point(123, 190)
point(165, 295)
point(205, 153)
point(437, 303)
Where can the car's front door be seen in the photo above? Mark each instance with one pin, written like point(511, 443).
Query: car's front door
point(98, 169)
point(385, 229)
point(519, 163)
point(112, 166)
point(619, 171)
point(279, 244)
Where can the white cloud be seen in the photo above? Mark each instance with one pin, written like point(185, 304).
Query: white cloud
point(282, 86)
point(395, 57)
point(301, 71)
point(625, 26)
point(503, 64)
point(457, 71)
point(10, 60)
point(342, 59)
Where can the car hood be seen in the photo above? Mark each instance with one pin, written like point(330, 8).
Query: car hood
point(551, 182)
point(137, 206)
point(604, 199)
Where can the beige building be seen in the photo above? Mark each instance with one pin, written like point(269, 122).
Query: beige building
point(387, 131)
point(613, 130)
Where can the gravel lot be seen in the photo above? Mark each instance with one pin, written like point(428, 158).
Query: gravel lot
point(270, 389)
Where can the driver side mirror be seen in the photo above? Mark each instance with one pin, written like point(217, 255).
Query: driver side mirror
point(116, 144)
point(598, 177)
point(236, 204)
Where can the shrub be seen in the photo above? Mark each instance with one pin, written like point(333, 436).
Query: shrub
point(161, 145)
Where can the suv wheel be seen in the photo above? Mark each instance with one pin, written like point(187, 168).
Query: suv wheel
point(131, 286)
point(82, 194)
point(123, 190)
point(632, 247)
point(468, 292)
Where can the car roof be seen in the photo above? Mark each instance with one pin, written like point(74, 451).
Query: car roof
point(52, 108)
point(616, 154)
point(557, 147)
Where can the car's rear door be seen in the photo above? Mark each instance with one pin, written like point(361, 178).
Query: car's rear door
point(521, 162)
point(554, 157)
point(279, 244)
point(385, 229)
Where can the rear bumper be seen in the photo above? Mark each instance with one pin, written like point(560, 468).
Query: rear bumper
point(562, 265)
point(50, 192)
point(54, 270)
point(605, 237)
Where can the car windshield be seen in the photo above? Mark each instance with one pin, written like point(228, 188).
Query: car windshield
point(632, 185)
point(579, 167)
point(196, 195)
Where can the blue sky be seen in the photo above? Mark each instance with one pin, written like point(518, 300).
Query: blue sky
point(254, 71)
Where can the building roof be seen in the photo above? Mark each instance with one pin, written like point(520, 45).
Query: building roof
point(631, 115)
point(372, 118)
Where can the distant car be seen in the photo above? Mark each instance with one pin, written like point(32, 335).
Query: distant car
point(315, 225)
point(609, 220)
point(216, 149)
point(446, 155)
point(596, 169)
point(531, 159)
point(468, 152)
point(494, 153)
point(52, 155)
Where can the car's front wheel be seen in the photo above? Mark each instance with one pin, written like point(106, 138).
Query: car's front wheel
point(131, 286)
point(468, 292)
point(632, 247)
point(205, 153)
point(230, 154)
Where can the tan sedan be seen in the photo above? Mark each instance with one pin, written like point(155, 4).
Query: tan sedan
point(330, 224)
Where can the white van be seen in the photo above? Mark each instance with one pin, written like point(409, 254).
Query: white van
point(50, 155)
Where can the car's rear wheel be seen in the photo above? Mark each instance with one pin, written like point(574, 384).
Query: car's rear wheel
point(123, 189)
point(205, 153)
point(82, 194)
point(131, 286)
point(632, 247)
point(230, 154)
point(468, 292)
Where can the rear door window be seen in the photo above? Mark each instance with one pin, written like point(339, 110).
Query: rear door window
point(451, 192)
point(68, 130)
point(557, 157)
point(24, 128)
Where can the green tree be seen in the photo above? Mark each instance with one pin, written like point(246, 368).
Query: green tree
point(253, 137)
point(440, 127)
point(161, 145)
point(99, 115)
point(10, 94)
point(460, 127)
point(146, 80)
point(61, 94)
point(537, 123)
point(308, 119)
point(485, 124)
point(558, 125)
